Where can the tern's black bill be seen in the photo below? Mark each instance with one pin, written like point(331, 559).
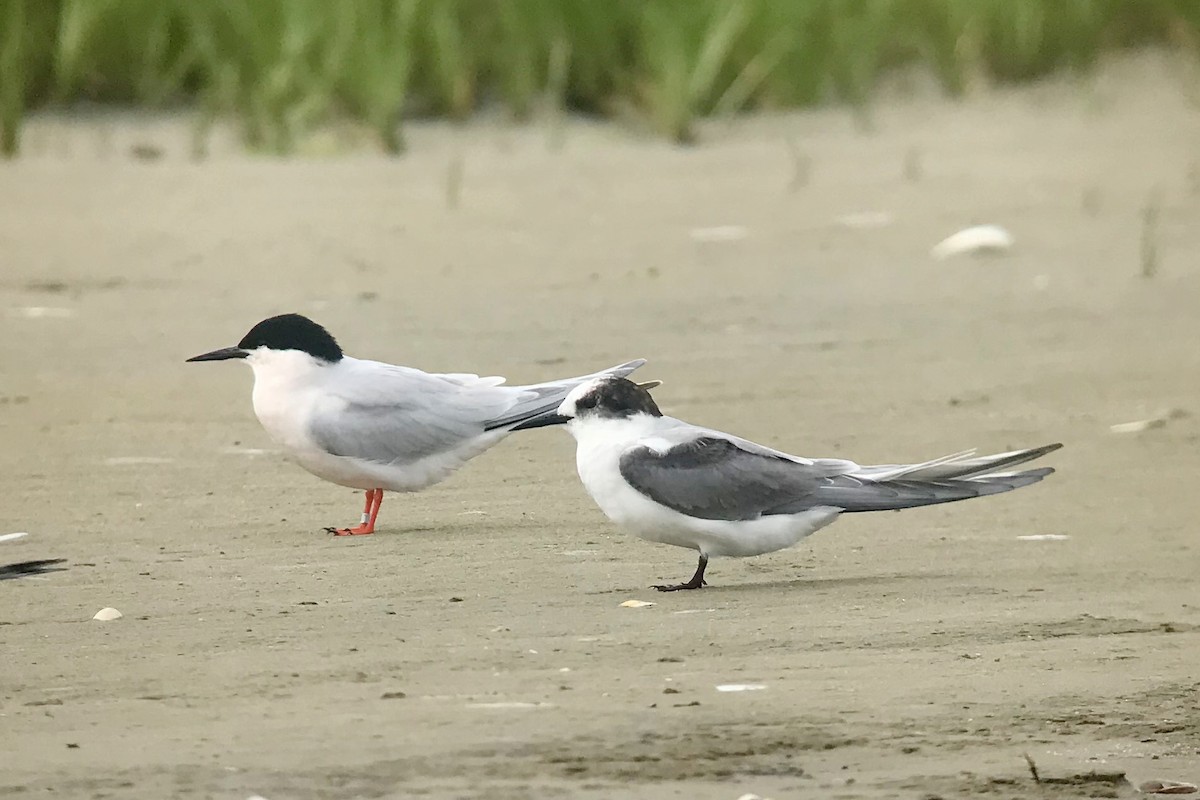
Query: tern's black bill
point(542, 421)
point(221, 355)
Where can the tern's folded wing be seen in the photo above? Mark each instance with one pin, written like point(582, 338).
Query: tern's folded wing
point(712, 477)
point(395, 415)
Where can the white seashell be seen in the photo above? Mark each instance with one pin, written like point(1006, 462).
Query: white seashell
point(108, 614)
point(978, 239)
point(636, 604)
point(741, 687)
point(1137, 426)
point(1044, 537)
point(8, 537)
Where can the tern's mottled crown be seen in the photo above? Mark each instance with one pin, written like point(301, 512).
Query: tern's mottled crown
point(609, 397)
point(293, 332)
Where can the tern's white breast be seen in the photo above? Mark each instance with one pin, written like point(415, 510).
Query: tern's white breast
point(287, 387)
point(597, 459)
point(601, 442)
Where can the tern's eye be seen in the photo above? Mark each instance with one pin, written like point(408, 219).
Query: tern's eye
point(587, 401)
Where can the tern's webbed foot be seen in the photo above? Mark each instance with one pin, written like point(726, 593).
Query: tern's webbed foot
point(697, 581)
point(358, 530)
point(679, 587)
point(373, 499)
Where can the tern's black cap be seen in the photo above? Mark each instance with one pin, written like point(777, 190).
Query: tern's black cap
point(293, 332)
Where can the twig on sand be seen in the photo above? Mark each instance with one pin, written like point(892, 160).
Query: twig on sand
point(801, 165)
point(1150, 215)
point(1032, 768)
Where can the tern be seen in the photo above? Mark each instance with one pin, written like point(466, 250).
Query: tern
point(374, 426)
point(675, 483)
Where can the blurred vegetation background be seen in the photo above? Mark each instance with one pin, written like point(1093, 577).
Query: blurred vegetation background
point(283, 67)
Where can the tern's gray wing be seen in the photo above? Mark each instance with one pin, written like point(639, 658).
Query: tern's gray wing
point(714, 478)
point(397, 433)
point(396, 415)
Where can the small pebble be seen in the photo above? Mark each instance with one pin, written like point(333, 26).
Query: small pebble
point(719, 233)
point(866, 219)
point(45, 312)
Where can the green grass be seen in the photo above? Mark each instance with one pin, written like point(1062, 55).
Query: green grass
point(280, 68)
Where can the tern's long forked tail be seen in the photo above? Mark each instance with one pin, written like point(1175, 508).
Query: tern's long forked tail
point(539, 407)
point(944, 480)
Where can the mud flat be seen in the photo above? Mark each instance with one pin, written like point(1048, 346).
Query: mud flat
point(476, 646)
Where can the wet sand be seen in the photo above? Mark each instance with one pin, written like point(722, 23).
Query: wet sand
point(475, 647)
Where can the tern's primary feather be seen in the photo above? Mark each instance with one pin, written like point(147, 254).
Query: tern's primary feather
point(544, 398)
point(959, 465)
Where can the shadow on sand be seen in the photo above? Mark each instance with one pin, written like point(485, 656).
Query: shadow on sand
point(750, 587)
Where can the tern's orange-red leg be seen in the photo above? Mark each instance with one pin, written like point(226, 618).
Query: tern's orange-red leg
point(371, 504)
point(375, 506)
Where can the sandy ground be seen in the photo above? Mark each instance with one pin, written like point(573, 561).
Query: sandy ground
point(475, 647)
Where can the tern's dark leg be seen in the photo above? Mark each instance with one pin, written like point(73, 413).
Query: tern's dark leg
point(697, 581)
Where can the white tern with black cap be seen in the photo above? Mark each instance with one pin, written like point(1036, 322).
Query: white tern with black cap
point(672, 482)
point(374, 426)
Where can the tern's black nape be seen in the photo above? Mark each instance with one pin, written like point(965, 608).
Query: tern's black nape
point(615, 398)
point(293, 332)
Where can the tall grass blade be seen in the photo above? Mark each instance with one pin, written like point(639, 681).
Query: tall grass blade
point(282, 68)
